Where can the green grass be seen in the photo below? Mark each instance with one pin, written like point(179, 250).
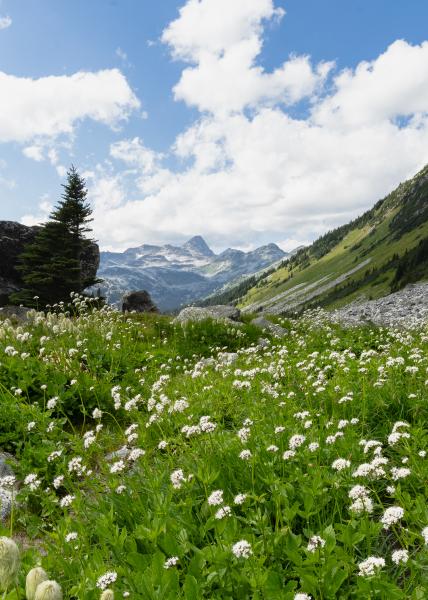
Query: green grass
point(204, 409)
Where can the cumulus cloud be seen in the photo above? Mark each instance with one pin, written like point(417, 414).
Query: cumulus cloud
point(222, 41)
point(50, 106)
point(134, 153)
point(249, 169)
point(35, 152)
point(5, 22)
point(248, 176)
point(393, 85)
point(44, 209)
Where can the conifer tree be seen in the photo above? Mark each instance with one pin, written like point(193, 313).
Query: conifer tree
point(51, 265)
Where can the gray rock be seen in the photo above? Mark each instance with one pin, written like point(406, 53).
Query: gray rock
point(5, 467)
point(269, 327)
point(263, 343)
point(227, 358)
point(138, 301)
point(13, 239)
point(15, 313)
point(221, 312)
point(6, 499)
point(120, 454)
point(6, 492)
point(407, 309)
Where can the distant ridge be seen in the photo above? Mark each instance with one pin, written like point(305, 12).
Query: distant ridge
point(179, 275)
point(379, 252)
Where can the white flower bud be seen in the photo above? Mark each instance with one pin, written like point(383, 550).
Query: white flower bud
point(34, 578)
point(107, 595)
point(9, 562)
point(48, 590)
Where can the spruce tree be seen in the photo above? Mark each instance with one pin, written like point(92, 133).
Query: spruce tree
point(51, 265)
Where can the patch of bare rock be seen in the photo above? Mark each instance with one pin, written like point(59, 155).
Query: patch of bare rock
point(224, 313)
point(407, 308)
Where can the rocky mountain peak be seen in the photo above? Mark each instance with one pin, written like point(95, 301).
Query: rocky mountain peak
point(198, 245)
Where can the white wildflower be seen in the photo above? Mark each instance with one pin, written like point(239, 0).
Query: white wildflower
point(400, 557)
point(370, 566)
point(171, 562)
point(215, 498)
point(242, 549)
point(391, 516)
point(315, 542)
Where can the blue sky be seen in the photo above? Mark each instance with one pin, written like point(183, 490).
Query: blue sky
point(232, 153)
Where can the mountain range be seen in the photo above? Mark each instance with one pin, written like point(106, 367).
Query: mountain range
point(379, 252)
point(179, 275)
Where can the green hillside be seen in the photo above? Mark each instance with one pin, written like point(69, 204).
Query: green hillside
point(379, 252)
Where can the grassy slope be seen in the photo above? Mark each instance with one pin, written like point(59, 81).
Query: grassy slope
point(352, 384)
point(375, 239)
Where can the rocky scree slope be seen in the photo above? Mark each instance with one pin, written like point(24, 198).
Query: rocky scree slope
point(379, 252)
point(177, 275)
point(406, 308)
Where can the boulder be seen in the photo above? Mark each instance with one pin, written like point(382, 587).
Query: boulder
point(15, 313)
point(225, 313)
point(269, 327)
point(13, 239)
point(6, 490)
point(139, 302)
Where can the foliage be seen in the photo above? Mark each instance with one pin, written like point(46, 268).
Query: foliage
point(188, 462)
point(233, 294)
point(51, 266)
point(413, 266)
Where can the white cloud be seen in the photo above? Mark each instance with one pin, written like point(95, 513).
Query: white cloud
point(213, 26)
point(53, 105)
point(45, 208)
point(43, 150)
point(253, 175)
point(34, 152)
point(393, 85)
point(222, 39)
point(246, 177)
point(134, 153)
point(5, 22)
point(121, 54)
point(290, 244)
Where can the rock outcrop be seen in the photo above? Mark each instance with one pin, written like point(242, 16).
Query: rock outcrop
point(228, 314)
point(407, 308)
point(139, 302)
point(272, 328)
point(13, 238)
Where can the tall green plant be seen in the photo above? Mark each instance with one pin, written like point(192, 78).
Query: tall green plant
point(51, 266)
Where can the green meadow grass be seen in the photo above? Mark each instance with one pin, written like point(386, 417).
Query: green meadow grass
point(166, 462)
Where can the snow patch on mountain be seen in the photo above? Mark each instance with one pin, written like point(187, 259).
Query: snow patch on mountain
point(178, 275)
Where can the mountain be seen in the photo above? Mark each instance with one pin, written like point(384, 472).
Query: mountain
point(379, 252)
point(177, 275)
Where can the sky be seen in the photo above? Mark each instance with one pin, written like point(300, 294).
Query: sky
point(244, 121)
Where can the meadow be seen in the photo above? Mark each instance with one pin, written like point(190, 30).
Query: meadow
point(162, 462)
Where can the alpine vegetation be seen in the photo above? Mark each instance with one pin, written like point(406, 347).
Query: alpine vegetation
point(155, 459)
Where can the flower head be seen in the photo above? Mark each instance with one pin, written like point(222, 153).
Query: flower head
point(391, 516)
point(370, 566)
point(106, 579)
point(215, 498)
point(48, 590)
point(9, 562)
point(34, 578)
point(315, 542)
point(400, 557)
point(242, 549)
point(171, 562)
